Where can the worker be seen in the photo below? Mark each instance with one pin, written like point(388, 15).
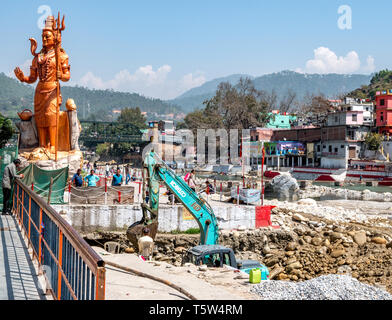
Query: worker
point(191, 180)
point(92, 179)
point(77, 179)
point(146, 245)
point(9, 175)
point(209, 188)
point(117, 179)
point(107, 170)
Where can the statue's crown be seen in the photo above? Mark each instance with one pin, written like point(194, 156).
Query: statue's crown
point(49, 24)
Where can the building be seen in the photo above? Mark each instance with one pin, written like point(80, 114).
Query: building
point(384, 112)
point(345, 118)
point(166, 127)
point(280, 121)
point(364, 105)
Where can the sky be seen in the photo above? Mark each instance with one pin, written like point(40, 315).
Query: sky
point(162, 48)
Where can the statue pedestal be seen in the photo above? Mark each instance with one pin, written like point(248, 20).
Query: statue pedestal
point(45, 160)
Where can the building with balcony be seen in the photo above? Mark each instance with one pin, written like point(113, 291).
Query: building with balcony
point(364, 105)
point(345, 118)
point(384, 112)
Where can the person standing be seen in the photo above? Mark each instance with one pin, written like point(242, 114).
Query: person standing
point(92, 179)
point(127, 175)
point(9, 175)
point(117, 179)
point(77, 179)
point(192, 181)
point(146, 245)
point(107, 170)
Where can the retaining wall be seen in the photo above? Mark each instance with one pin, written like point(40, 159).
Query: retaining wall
point(89, 218)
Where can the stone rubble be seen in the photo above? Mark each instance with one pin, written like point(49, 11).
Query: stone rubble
point(329, 287)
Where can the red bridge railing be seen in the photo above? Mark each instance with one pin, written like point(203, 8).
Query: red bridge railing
point(72, 268)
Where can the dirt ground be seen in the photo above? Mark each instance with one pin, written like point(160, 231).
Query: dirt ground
point(305, 246)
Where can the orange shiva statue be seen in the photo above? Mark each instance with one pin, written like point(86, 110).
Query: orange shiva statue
point(49, 65)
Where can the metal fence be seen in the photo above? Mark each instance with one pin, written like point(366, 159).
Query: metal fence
point(72, 268)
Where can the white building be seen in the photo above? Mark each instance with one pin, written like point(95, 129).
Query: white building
point(363, 105)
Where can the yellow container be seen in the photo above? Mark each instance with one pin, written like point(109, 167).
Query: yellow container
point(255, 276)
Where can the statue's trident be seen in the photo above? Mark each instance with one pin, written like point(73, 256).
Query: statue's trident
point(58, 28)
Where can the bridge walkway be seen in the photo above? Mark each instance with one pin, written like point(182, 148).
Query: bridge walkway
point(18, 277)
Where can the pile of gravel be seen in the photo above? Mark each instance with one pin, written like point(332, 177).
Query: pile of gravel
point(330, 287)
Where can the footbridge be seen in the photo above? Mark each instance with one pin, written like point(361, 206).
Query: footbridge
point(35, 241)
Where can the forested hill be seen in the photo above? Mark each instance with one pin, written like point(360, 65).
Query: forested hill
point(330, 85)
point(381, 81)
point(92, 104)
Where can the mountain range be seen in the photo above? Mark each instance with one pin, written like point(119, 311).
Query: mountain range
point(331, 85)
point(100, 104)
point(92, 104)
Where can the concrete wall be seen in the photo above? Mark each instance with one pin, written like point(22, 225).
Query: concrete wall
point(89, 218)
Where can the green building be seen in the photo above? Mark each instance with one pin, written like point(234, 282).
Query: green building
point(280, 121)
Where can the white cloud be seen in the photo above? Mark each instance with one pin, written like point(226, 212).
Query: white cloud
point(147, 81)
point(327, 61)
point(25, 67)
point(370, 67)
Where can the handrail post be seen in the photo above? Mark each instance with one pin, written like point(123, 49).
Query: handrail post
point(29, 219)
point(40, 237)
point(100, 286)
point(59, 277)
point(22, 204)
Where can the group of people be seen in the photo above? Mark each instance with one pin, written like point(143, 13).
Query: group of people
point(190, 179)
point(92, 179)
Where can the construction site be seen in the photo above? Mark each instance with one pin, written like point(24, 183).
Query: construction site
point(221, 190)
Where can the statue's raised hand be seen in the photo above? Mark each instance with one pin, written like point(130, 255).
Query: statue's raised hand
point(19, 74)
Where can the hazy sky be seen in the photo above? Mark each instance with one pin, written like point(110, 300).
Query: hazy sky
point(163, 48)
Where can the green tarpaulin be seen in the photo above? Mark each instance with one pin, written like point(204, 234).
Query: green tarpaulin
point(41, 179)
point(7, 155)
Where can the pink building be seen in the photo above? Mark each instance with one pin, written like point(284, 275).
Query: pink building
point(345, 118)
point(261, 134)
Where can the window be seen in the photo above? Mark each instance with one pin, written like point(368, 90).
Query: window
point(330, 149)
point(342, 146)
point(336, 150)
point(318, 148)
point(212, 260)
point(382, 102)
point(336, 119)
point(226, 259)
point(354, 117)
point(324, 147)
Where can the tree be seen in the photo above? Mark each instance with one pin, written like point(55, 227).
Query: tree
point(233, 107)
point(288, 101)
point(102, 149)
point(373, 141)
point(181, 125)
point(6, 130)
point(133, 116)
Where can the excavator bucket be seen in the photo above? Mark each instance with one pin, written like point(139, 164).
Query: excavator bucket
point(135, 231)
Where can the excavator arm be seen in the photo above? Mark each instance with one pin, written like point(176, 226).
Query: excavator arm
point(156, 172)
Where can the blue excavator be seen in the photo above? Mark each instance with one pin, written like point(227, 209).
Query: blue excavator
point(157, 172)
